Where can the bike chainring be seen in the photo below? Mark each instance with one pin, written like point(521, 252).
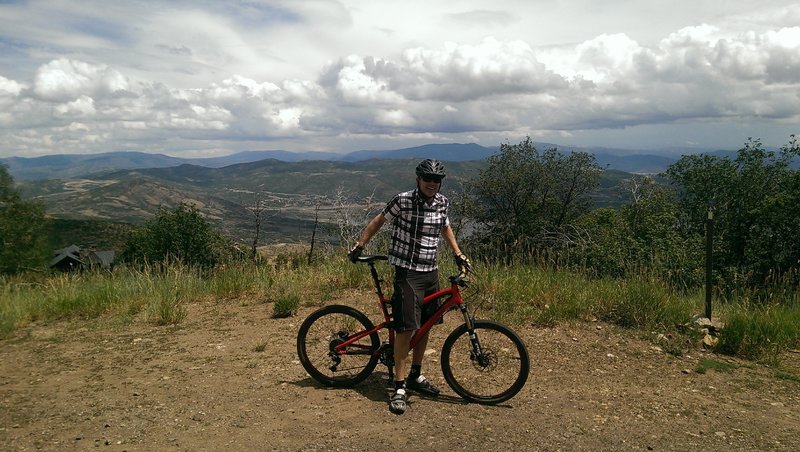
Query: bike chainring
point(387, 355)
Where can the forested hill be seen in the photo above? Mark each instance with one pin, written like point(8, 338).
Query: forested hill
point(68, 166)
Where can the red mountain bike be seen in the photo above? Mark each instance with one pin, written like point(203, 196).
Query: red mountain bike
point(482, 361)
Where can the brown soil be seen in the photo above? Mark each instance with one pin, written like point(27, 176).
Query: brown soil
point(203, 385)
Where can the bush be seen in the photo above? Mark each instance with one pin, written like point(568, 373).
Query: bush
point(286, 306)
point(180, 234)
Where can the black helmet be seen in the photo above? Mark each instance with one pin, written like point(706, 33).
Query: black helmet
point(430, 167)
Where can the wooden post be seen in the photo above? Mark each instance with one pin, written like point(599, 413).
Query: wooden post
point(709, 248)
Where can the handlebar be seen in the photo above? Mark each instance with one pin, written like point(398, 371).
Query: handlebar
point(458, 279)
point(368, 259)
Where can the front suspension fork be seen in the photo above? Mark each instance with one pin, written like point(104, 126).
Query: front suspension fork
point(477, 351)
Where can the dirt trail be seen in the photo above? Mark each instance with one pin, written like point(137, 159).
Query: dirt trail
point(204, 386)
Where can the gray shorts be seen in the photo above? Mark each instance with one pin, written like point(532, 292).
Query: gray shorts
point(410, 287)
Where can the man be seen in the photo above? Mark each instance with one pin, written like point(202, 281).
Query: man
point(419, 217)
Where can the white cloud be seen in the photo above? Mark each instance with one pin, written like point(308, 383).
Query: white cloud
point(82, 107)
point(203, 76)
point(10, 88)
point(64, 80)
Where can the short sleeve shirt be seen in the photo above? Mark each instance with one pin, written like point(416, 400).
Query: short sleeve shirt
point(417, 227)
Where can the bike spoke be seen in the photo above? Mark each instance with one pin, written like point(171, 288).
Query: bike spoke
point(491, 373)
point(319, 338)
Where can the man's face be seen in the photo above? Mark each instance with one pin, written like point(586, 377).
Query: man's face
point(429, 185)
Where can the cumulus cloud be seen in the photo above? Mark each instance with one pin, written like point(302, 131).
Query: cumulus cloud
point(486, 87)
point(66, 80)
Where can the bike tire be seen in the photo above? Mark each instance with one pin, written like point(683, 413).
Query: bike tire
point(492, 382)
point(320, 332)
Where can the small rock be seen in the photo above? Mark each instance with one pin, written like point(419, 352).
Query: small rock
point(710, 341)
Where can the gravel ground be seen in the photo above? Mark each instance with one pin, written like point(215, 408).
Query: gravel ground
point(204, 385)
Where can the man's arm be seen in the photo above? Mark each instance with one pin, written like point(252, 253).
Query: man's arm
point(450, 238)
point(371, 229)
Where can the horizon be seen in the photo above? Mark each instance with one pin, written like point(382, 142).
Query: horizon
point(196, 79)
point(673, 152)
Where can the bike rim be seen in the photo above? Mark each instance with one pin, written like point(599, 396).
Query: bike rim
point(330, 330)
point(497, 375)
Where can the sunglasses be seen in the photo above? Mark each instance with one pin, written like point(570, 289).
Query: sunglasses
point(429, 178)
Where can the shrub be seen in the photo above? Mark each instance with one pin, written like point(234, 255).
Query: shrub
point(180, 234)
point(286, 306)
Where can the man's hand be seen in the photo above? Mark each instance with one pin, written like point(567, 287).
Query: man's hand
point(463, 263)
point(354, 253)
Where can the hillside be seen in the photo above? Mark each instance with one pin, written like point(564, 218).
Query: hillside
point(69, 166)
point(291, 192)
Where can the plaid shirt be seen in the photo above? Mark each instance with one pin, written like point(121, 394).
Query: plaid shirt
point(417, 228)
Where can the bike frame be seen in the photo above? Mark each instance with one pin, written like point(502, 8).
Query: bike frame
point(454, 299)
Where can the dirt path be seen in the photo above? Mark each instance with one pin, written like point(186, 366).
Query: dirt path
point(204, 386)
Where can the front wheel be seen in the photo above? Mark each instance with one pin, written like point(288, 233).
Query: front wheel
point(489, 369)
point(328, 327)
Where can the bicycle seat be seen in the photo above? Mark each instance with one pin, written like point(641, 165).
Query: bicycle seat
point(368, 259)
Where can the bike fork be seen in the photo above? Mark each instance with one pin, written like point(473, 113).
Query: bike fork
point(477, 352)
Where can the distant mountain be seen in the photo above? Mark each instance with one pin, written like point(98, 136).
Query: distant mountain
point(254, 156)
point(295, 192)
point(449, 152)
point(69, 166)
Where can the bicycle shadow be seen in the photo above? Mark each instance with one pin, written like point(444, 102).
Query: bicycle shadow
point(376, 389)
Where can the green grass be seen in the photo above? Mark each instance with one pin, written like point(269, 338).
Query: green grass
point(542, 296)
point(522, 295)
point(707, 364)
point(783, 375)
point(761, 333)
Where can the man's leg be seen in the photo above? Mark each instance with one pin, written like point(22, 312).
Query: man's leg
point(419, 349)
point(421, 385)
point(402, 342)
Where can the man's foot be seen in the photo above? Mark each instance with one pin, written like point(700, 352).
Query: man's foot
point(422, 386)
point(397, 404)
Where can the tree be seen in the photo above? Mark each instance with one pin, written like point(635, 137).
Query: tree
point(22, 226)
point(181, 234)
point(645, 234)
point(755, 199)
point(260, 210)
point(525, 198)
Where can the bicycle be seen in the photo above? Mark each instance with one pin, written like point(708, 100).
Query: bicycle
point(482, 361)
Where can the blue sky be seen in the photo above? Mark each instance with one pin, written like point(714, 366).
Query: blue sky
point(204, 78)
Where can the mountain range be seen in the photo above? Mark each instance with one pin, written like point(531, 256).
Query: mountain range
point(294, 189)
point(68, 166)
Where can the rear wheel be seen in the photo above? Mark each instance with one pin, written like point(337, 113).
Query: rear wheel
point(494, 373)
point(328, 327)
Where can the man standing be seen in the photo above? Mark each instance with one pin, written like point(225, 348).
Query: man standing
point(419, 218)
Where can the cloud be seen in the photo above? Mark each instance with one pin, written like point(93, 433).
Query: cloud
point(206, 77)
point(483, 17)
point(67, 80)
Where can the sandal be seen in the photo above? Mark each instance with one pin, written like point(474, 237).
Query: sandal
point(423, 386)
point(397, 404)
